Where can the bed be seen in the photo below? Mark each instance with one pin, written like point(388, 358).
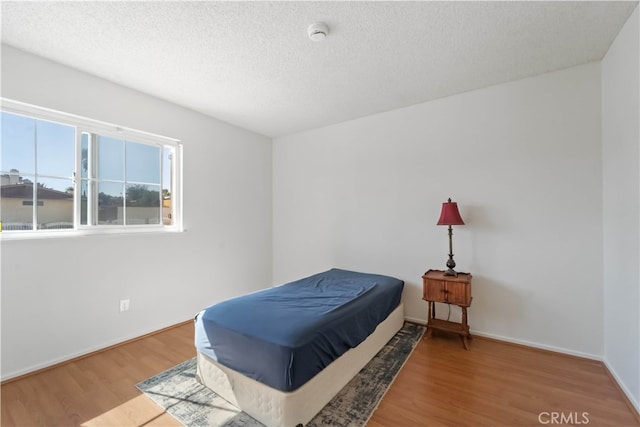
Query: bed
point(282, 353)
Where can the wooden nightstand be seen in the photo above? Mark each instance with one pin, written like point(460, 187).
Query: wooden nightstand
point(436, 287)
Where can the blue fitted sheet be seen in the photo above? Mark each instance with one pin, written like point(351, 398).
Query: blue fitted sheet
point(283, 336)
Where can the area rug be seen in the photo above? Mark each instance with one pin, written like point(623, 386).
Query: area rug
point(193, 405)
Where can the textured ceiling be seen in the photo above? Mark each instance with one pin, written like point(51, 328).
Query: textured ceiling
point(252, 64)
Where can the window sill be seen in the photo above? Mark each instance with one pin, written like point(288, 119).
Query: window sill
point(98, 231)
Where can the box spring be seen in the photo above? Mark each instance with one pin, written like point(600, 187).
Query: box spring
point(275, 408)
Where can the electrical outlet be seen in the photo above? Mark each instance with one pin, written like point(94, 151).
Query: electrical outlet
point(124, 305)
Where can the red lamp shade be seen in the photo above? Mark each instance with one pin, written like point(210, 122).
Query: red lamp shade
point(450, 214)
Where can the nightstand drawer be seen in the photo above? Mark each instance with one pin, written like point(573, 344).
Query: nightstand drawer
point(451, 290)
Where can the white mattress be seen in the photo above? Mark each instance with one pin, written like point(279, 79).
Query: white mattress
point(276, 408)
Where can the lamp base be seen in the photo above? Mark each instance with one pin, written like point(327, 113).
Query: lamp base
point(451, 272)
point(451, 264)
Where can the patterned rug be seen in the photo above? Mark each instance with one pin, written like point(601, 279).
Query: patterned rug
point(181, 395)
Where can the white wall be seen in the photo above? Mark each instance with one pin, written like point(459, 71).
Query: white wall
point(523, 161)
point(60, 296)
point(621, 207)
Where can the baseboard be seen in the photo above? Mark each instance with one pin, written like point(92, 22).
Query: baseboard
point(631, 402)
point(15, 376)
point(415, 320)
point(538, 346)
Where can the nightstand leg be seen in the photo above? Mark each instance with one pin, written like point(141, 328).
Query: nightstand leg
point(465, 342)
point(465, 326)
point(464, 319)
point(430, 315)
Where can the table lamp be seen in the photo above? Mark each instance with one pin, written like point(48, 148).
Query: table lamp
point(450, 216)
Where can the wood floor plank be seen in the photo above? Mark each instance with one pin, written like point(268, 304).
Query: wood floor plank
point(492, 384)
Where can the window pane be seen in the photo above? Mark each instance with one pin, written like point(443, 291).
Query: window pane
point(55, 203)
point(16, 204)
point(143, 163)
point(167, 168)
point(84, 160)
point(143, 204)
point(84, 206)
point(110, 203)
point(18, 144)
point(55, 149)
point(110, 158)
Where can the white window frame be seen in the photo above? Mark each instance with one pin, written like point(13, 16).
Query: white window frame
point(85, 125)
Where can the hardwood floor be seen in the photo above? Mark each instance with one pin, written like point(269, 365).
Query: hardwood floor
point(493, 384)
point(500, 384)
point(99, 390)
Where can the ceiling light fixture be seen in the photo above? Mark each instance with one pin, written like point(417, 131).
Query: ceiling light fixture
point(318, 31)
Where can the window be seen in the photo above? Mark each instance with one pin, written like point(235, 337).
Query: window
point(62, 172)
